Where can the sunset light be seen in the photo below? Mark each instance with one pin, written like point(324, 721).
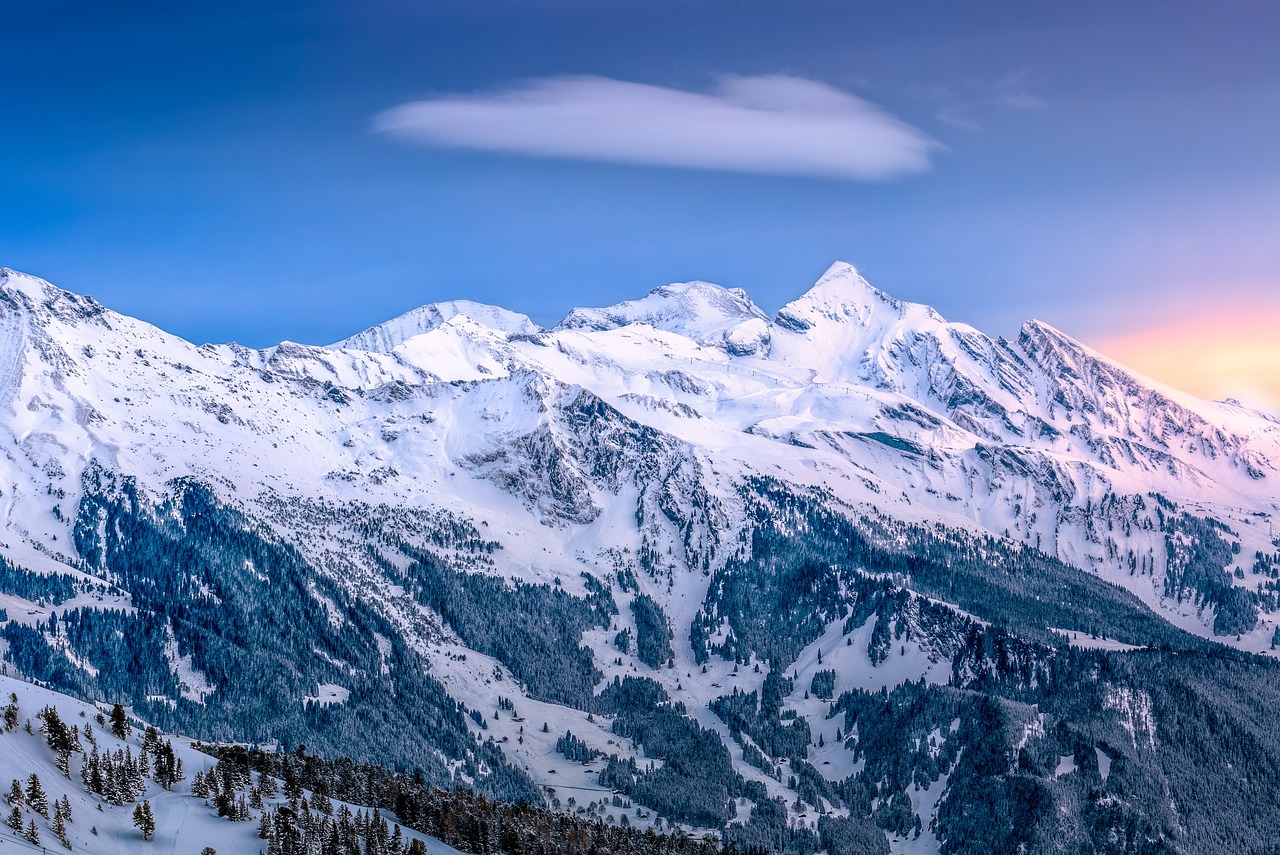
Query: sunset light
point(1214, 356)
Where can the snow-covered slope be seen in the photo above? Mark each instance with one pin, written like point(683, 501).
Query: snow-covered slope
point(184, 823)
point(634, 453)
point(701, 311)
point(387, 335)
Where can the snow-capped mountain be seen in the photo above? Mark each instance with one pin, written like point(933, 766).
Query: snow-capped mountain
point(424, 319)
point(493, 519)
point(706, 313)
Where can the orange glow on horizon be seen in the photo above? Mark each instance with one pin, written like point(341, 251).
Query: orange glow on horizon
point(1212, 357)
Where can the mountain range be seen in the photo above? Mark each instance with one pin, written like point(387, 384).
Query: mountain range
point(849, 578)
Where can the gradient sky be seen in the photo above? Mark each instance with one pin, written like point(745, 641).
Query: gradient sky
point(258, 171)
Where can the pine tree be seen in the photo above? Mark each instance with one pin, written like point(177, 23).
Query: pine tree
point(133, 770)
point(60, 828)
point(36, 796)
point(66, 808)
point(225, 803)
point(144, 820)
point(292, 788)
point(16, 797)
point(63, 762)
point(15, 819)
point(33, 834)
point(86, 770)
point(119, 722)
point(11, 714)
point(267, 785)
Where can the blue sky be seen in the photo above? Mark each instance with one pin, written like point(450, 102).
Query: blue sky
point(228, 170)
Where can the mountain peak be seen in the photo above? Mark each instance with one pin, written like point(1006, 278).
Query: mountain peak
point(842, 294)
point(24, 291)
point(1043, 341)
point(699, 310)
point(386, 336)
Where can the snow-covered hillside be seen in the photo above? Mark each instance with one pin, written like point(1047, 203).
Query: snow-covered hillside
point(628, 459)
point(95, 823)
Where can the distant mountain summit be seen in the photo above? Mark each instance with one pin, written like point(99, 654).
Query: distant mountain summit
point(386, 336)
point(697, 310)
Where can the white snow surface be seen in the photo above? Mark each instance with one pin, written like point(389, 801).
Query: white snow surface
point(329, 693)
point(1084, 641)
point(1104, 764)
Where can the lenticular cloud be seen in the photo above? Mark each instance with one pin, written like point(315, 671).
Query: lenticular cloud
point(773, 124)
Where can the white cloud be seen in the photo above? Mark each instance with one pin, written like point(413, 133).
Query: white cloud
point(771, 124)
point(1013, 93)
